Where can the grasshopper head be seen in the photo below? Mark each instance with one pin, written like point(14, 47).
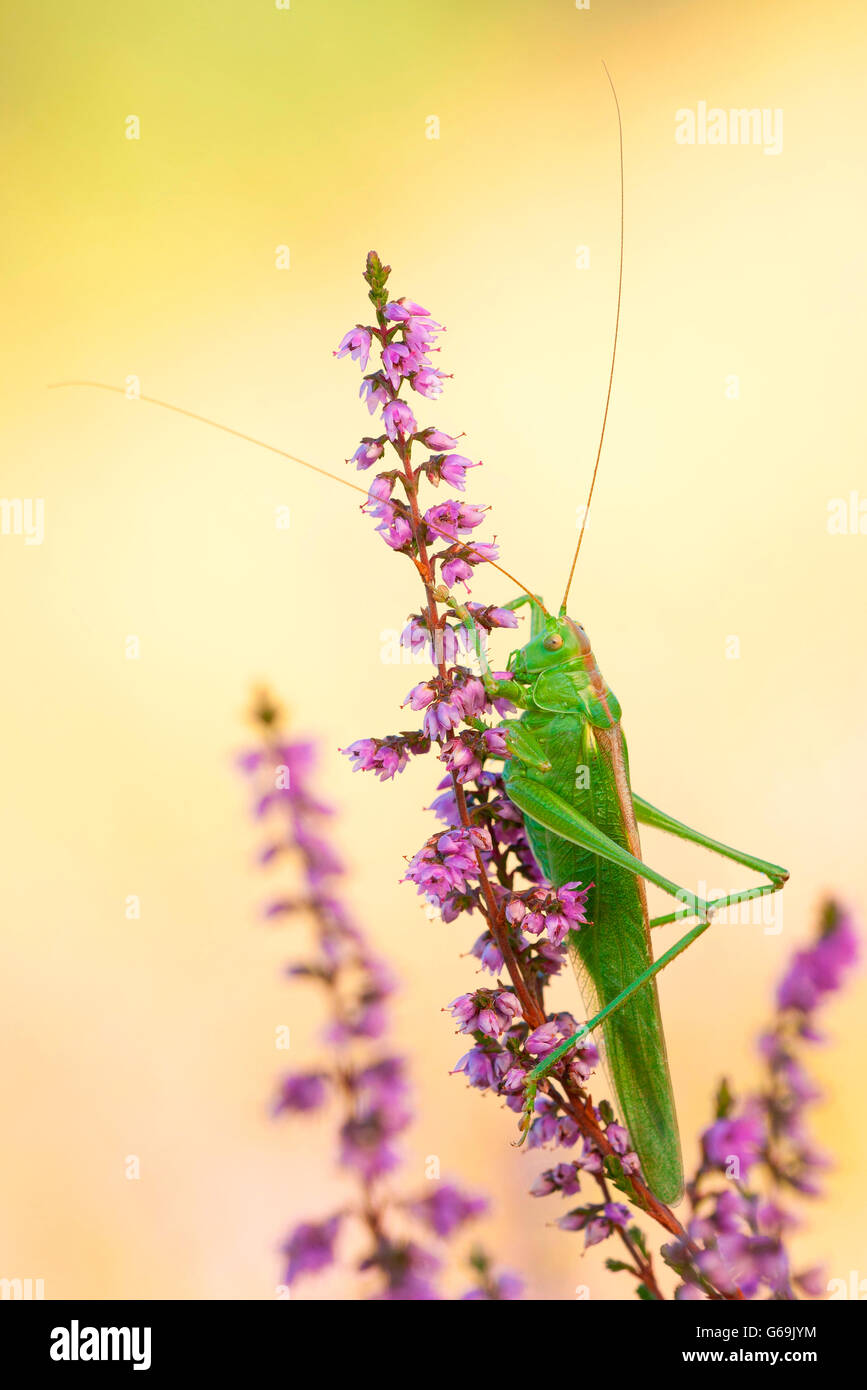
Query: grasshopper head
point(554, 642)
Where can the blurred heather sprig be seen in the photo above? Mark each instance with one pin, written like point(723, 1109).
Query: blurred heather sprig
point(480, 861)
point(360, 1076)
point(758, 1151)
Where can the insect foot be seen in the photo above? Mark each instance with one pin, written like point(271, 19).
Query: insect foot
point(527, 1111)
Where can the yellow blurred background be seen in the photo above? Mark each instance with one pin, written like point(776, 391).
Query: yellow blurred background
point(307, 128)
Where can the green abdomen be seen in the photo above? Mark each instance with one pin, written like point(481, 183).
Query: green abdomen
point(613, 950)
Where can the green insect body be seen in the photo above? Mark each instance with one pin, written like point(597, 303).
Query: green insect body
point(567, 771)
point(575, 719)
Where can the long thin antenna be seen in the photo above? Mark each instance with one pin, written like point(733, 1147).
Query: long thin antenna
point(272, 448)
point(613, 353)
point(215, 424)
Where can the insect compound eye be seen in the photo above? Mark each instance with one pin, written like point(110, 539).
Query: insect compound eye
point(553, 642)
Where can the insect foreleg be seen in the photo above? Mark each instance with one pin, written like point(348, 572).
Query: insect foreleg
point(495, 688)
point(518, 602)
point(524, 746)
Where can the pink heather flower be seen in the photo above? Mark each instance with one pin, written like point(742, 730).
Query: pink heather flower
point(730, 1212)
point(590, 1160)
point(464, 841)
point(363, 755)
point(456, 571)
point(486, 1011)
point(366, 1145)
point(399, 310)
point(310, 1248)
point(440, 718)
point(596, 1222)
point(618, 1138)
point(545, 1128)
point(421, 696)
point(549, 1036)
point(445, 807)
point(397, 533)
point(394, 526)
point(357, 343)
point(385, 757)
point(372, 391)
point(483, 1067)
point(398, 420)
point(394, 362)
point(488, 953)
point(746, 1262)
point(458, 568)
point(301, 1092)
point(369, 451)
point(504, 707)
point(617, 1214)
point(740, 1138)
point(554, 911)
point(447, 1209)
point(461, 758)
point(452, 468)
point(469, 696)
point(448, 518)
point(490, 617)
point(447, 864)
point(819, 970)
point(441, 714)
point(583, 1061)
point(416, 638)
point(370, 1022)
point(321, 861)
point(495, 742)
point(384, 1083)
point(550, 960)
point(428, 382)
point(419, 334)
point(380, 490)
point(436, 439)
point(515, 1079)
point(549, 1125)
point(562, 1178)
point(408, 1271)
point(774, 1219)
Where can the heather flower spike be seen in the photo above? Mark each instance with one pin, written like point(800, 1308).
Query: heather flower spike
point(757, 1154)
point(357, 1076)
